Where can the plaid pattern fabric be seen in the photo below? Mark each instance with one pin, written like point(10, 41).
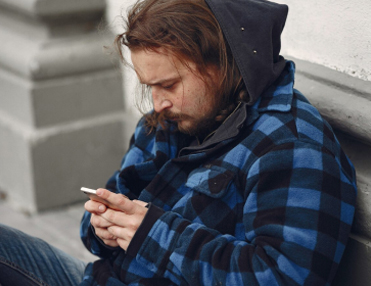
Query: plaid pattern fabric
point(267, 201)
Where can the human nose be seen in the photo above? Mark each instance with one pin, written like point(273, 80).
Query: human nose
point(160, 102)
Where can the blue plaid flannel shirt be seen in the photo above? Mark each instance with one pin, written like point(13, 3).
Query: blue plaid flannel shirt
point(267, 200)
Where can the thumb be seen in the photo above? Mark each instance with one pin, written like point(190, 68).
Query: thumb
point(141, 203)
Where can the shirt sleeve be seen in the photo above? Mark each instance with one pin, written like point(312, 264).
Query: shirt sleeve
point(297, 217)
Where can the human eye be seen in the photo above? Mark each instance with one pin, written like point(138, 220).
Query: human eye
point(168, 86)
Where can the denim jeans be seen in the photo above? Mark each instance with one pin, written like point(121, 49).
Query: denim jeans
point(30, 261)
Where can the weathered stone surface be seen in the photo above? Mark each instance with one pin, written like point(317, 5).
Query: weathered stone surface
point(42, 8)
point(77, 156)
point(354, 269)
point(47, 167)
point(61, 104)
point(335, 34)
point(15, 99)
point(56, 101)
point(16, 176)
point(343, 100)
point(36, 57)
point(360, 154)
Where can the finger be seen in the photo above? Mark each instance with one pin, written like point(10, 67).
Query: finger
point(124, 244)
point(122, 219)
point(121, 201)
point(99, 221)
point(104, 234)
point(124, 236)
point(115, 217)
point(121, 232)
point(141, 203)
point(112, 243)
point(94, 207)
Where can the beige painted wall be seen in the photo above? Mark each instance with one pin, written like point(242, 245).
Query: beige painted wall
point(333, 33)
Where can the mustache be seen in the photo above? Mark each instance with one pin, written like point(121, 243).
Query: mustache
point(168, 115)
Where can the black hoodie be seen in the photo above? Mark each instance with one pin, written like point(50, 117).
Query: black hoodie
point(255, 42)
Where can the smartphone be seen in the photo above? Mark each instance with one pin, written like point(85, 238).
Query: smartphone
point(92, 194)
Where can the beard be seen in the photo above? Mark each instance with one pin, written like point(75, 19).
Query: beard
point(199, 127)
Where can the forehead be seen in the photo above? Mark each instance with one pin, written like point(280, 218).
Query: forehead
point(154, 66)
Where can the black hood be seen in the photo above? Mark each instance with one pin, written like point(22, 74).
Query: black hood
point(253, 30)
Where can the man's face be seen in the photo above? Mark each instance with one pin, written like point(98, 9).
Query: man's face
point(178, 91)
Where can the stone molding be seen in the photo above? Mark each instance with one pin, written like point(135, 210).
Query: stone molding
point(343, 100)
point(52, 8)
point(354, 268)
point(38, 50)
point(36, 135)
point(54, 57)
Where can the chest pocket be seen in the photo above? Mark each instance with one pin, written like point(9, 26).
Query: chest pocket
point(214, 201)
point(212, 181)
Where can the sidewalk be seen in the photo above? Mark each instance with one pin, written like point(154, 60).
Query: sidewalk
point(58, 227)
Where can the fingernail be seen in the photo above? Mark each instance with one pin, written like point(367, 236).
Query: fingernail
point(99, 192)
point(101, 208)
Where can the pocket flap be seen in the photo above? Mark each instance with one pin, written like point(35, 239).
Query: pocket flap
point(210, 180)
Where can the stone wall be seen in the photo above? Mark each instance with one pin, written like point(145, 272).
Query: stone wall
point(61, 106)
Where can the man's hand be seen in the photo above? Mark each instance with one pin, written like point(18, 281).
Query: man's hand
point(116, 227)
point(99, 223)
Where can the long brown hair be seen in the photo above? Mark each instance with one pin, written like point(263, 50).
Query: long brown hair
point(189, 31)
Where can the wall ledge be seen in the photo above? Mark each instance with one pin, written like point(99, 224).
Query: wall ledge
point(51, 58)
point(345, 101)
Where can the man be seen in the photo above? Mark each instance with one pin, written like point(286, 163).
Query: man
point(233, 178)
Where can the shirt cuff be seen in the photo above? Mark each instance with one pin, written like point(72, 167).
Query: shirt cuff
point(152, 215)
